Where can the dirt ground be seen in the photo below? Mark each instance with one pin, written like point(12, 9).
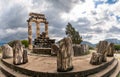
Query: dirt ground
point(46, 63)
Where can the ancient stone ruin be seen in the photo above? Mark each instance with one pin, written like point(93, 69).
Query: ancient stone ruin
point(54, 49)
point(96, 58)
point(25, 57)
point(104, 49)
point(64, 55)
point(110, 49)
point(60, 65)
point(7, 51)
point(80, 49)
point(42, 43)
point(19, 54)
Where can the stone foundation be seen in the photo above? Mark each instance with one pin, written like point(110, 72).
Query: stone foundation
point(42, 51)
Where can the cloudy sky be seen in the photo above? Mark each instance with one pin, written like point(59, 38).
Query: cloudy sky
point(94, 19)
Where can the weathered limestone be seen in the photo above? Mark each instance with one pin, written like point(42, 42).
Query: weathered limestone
point(46, 29)
point(37, 18)
point(110, 49)
point(54, 49)
point(37, 29)
point(77, 50)
point(19, 55)
point(7, 51)
point(25, 57)
point(85, 48)
point(96, 58)
point(102, 48)
point(30, 35)
point(64, 55)
point(80, 49)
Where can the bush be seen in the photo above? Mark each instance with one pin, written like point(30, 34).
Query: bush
point(91, 48)
point(117, 47)
point(86, 53)
point(25, 43)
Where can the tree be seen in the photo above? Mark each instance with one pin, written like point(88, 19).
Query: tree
point(117, 47)
point(71, 32)
point(25, 43)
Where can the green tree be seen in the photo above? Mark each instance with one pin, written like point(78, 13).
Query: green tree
point(117, 47)
point(71, 32)
point(25, 43)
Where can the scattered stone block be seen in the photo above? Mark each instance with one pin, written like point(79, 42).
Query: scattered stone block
point(19, 56)
point(64, 55)
point(96, 58)
point(77, 50)
point(111, 50)
point(84, 48)
point(80, 49)
point(25, 57)
point(54, 49)
point(102, 48)
point(7, 51)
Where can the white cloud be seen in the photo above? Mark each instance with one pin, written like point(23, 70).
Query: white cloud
point(101, 19)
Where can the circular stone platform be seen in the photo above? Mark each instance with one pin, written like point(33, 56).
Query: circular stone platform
point(47, 65)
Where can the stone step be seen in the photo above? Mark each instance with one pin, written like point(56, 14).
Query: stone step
point(1, 74)
point(10, 72)
point(30, 72)
point(116, 72)
point(107, 71)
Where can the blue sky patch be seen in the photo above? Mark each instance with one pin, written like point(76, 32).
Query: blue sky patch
point(118, 18)
point(111, 1)
point(99, 2)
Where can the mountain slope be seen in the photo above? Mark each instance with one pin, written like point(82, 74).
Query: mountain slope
point(88, 43)
point(115, 41)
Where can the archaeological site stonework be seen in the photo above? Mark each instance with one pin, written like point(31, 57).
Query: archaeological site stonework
point(104, 49)
point(64, 55)
point(7, 51)
point(19, 54)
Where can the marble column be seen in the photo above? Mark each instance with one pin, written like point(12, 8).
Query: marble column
point(37, 29)
point(30, 35)
point(46, 29)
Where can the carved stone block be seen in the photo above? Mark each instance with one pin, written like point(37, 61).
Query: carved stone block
point(7, 51)
point(64, 55)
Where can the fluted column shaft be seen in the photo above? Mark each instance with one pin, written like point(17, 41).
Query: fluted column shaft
point(37, 30)
point(30, 35)
point(46, 29)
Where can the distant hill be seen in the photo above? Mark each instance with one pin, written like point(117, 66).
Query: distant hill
point(115, 41)
point(88, 43)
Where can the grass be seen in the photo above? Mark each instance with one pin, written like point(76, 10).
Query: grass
point(86, 53)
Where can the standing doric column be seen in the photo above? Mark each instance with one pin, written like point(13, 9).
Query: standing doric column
point(46, 29)
point(30, 35)
point(37, 29)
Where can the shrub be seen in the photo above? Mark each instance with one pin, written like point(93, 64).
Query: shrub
point(25, 43)
point(117, 47)
point(91, 48)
